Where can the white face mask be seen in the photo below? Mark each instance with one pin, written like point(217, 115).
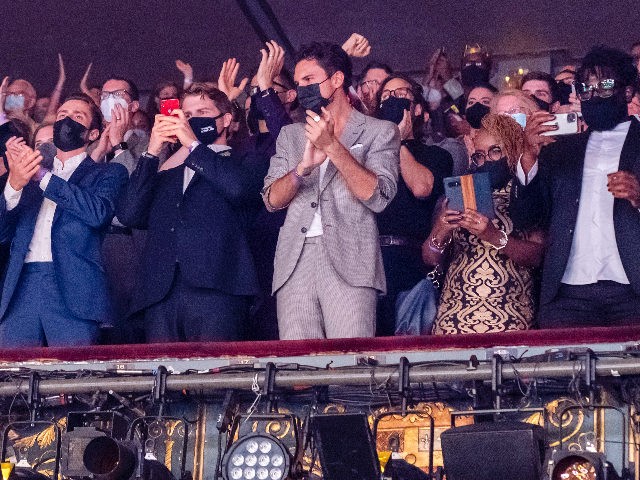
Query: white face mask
point(108, 104)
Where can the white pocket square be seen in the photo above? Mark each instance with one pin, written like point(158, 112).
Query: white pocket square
point(357, 145)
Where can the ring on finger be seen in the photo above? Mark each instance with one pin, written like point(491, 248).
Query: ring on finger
point(316, 118)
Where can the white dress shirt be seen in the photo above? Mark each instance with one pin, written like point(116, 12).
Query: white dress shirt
point(594, 252)
point(315, 229)
point(40, 246)
point(190, 172)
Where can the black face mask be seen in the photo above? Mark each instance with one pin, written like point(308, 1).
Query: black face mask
point(564, 91)
point(68, 134)
point(254, 116)
point(603, 113)
point(205, 129)
point(310, 97)
point(392, 109)
point(499, 172)
point(475, 113)
point(546, 106)
point(473, 75)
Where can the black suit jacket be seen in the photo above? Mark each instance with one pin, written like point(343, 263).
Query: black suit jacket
point(202, 230)
point(552, 199)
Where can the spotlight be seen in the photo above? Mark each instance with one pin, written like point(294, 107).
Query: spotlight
point(262, 447)
point(108, 459)
point(256, 456)
point(578, 465)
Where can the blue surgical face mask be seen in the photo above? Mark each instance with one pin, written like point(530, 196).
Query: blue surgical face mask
point(14, 102)
point(521, 118)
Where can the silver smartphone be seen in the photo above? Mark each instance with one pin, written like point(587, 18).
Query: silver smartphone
point(567, 124)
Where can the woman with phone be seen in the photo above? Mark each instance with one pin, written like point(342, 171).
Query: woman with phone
point(489, 285)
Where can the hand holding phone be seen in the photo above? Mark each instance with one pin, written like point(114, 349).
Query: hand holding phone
point(567, 124)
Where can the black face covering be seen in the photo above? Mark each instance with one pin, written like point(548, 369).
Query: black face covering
point(564, 91)
point(310, 97)
point(604, 113)
point(473, 75)
point(205, 128)
point(254, 115)
point(546, 106)
point(475, 113)
point(499, 173)
point(393, 108)
point(68, 134)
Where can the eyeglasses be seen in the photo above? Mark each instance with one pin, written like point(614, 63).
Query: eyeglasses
point(603, 89)
point(369, 85)
point(400, 92)
point(115, 94)
point(494, 152)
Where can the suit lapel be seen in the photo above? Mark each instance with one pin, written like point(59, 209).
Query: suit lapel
point(631, 148)
point(352, 131)
point(76, 177)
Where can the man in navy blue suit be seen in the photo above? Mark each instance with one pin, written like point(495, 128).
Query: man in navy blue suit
point(198, 277)
point(54, 291)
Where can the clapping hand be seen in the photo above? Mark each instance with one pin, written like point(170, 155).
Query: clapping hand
point(319, 129)
point(23, 162)
point(227, 79)
point(187, 72)
point(270, 65)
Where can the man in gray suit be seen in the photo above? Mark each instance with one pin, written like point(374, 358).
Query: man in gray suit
point(334, 173)
point(121, 250)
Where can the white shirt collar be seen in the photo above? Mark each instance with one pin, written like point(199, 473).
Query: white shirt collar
point(219, 148)
point(69, 164)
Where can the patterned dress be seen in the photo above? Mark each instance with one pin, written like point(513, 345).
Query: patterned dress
point(484, 291)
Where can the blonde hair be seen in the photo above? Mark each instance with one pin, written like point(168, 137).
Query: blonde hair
point(524, 100)
point(508, 132)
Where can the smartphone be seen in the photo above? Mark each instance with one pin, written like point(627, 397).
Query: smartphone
point(470, 191)
point(168, 105)
point(567, 124)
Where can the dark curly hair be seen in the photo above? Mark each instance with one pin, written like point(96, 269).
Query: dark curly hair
point(609, 60)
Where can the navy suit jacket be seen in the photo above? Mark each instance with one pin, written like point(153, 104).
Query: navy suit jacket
point(203, 229)
point(85, 205)
point(552, 198)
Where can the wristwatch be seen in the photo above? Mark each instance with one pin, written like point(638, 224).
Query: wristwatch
point(120, 146)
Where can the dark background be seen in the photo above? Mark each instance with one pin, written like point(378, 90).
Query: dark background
point(141, 39)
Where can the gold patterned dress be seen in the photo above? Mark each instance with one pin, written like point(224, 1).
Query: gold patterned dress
point(484, 291)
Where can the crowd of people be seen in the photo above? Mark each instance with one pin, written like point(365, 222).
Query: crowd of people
point(312, 203)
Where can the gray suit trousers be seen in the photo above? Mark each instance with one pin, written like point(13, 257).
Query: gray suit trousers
point(315, 302)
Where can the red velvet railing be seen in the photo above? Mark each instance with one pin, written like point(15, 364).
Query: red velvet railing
point(309, 347)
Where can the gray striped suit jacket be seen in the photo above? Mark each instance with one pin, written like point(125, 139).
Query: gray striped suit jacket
point(349, 225)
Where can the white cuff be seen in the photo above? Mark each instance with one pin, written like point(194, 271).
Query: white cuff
point(195, 144)
point(45, 181)
point(525, 178)
point(11, 196)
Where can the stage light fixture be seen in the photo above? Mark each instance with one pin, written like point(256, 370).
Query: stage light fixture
point(256, 456)
point(580, 465)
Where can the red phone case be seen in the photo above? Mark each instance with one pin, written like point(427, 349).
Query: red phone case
point(168, 105)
